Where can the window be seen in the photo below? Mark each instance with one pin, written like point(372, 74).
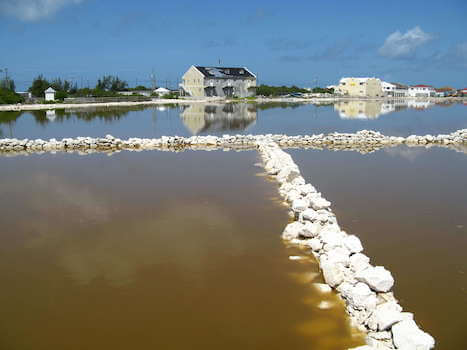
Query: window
point(343, 83)
point(361, 83)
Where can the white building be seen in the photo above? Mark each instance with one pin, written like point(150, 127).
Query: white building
point(421, 91)
point(49, 94)
point(394, 89)
point(162, 91)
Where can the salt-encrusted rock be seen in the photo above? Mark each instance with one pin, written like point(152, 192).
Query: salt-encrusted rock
point(311, 229)
point(288, 173)
point(359, 262)
point(338, 255)
point(315, 244)
point(331, 236)
point(406, 335)
point(292, 230)
point(310, 214)
point(359, 296)
point(333, 273)
point(386, 315)
point(378, 278)
point(353, 244)
point(319, 203)
point(299, 205)
point(306, 189)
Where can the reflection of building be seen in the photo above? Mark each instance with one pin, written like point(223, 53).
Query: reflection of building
point(358, 109)
point(360, 87)
point(199, 118)
point(419, 104)
point(218, 81)
point(50, 115)
point(367, 109)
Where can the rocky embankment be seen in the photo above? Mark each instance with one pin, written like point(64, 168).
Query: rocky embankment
point(366, 289)
point(363, 141)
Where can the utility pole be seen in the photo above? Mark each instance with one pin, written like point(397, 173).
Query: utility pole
point(153, 80)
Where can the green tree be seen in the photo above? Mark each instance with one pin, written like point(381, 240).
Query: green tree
point(8, 84)
point(39, 85)
point(111, 83)
point(8, 96)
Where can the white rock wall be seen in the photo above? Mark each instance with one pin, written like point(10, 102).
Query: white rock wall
point(366, 289)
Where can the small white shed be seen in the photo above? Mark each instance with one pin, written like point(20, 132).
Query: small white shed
point(162, 91)
point(49, 94)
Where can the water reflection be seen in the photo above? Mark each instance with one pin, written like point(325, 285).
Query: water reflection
point(201, 118)
point(359, 109)
point(402, 119)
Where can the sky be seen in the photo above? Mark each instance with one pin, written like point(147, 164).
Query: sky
point(306, 43)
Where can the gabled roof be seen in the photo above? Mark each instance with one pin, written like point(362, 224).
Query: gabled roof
point(49, 90)
point(400, 86)
point(225, 72)
point(421, 85)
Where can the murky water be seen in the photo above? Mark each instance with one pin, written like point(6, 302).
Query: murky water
point(409, 207)
point(154, 251)
point(399, 119)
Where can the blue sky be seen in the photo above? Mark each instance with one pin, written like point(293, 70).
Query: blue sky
point(284, 42)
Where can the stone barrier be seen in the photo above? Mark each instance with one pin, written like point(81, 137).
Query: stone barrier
point(366, 289)
point(363, 141)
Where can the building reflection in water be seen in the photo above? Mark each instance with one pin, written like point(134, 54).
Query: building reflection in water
point(202, 118)
point(360, 109)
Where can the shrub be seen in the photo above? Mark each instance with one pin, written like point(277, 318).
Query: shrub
point(9, 97)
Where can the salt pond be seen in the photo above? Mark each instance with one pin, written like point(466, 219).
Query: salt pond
point(393, 119)
point(154, 250)
point(409, 208)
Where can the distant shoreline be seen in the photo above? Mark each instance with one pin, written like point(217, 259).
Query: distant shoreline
point(312, 100)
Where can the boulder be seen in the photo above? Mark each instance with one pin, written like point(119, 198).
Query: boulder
point(406, 335)
point(315, 244)
point(292, 230)
point(360, 296)
point(319, 203)
point(378, 278)
point(353, 244)
point(359, 262)
point(338, 255)
point(299, 205)
point(311, 229)
point(309, 214)
point(333, 273)
point(387, 314)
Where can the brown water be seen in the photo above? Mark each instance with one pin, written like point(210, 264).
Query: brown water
point(409, 207)
point(153, 251)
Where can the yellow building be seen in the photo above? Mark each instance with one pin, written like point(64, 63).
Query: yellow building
point(360, 87)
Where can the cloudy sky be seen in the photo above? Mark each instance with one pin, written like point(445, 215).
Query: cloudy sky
point(284, 42)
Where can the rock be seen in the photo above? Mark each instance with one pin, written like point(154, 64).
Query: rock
point(338, 255)
point(311, 229)
point(359, 262)
point(320, 203)
point(309, 214)
point(378, 278)
point(292, 230)
point(360, 296)
point(387, 314)
point(353, 244)
point(315, 244)
point(333, 274)
point(333, 237)
point(299, 205)
point(406, 335)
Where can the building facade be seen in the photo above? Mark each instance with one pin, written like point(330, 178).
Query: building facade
point(49, 94)
point(360, 87)
point(201, 81)
point(421, 91)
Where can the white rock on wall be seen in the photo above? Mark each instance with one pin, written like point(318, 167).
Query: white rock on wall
point(359, 262)
point(333, 273)
point(353, 244)
point(360, 296)
point(292, 230)
point(378, 278)
point(406, 335)
point(387, 314)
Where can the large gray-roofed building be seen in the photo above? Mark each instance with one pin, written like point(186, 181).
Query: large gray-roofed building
point(201, 81)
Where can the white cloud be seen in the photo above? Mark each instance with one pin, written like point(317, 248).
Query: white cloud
point(31, 10)
point(399, 45)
